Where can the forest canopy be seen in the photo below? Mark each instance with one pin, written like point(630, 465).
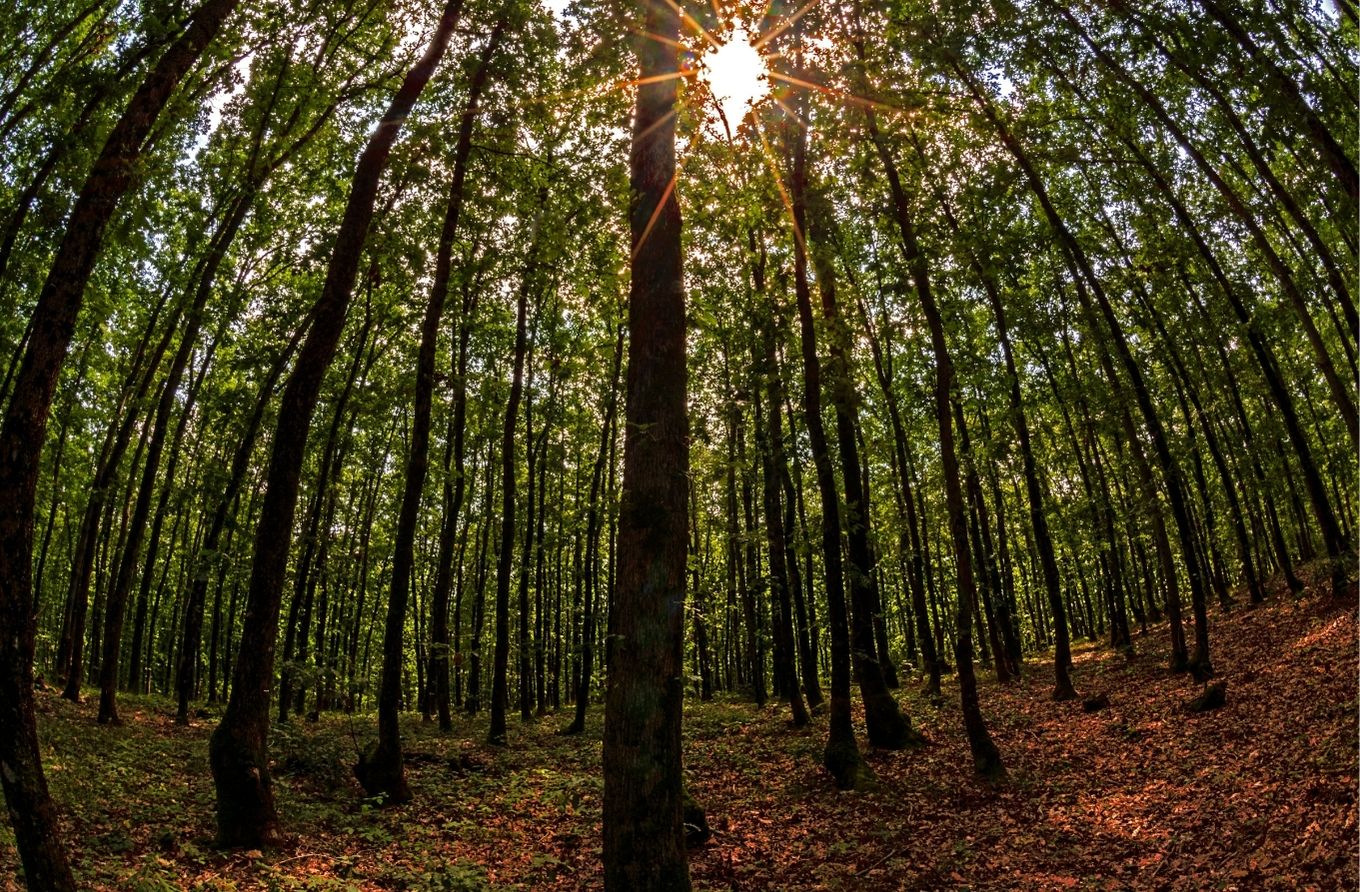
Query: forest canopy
point(449, 360)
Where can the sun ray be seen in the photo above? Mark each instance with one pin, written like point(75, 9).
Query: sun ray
point(655, 78)
point(606, 89)
point(657, 123)
point(785, 25)
point(640, 32)
point(656, 211)
point(765, 13)
point(717, 10)
point(695, 24)
point(797, 118)
point(840, 94)
point(768, 154)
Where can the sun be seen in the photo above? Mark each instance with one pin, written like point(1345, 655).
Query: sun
point(737, 74)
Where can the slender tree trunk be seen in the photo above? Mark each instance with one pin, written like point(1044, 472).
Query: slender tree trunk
point(909, 539)
point(986, 756)
point(1084, 276)
point(841, 756)
point(887, 725)
point(1342, 165)
point(770, 434)
point(238, 751)
point(25, 427)
point(381, 771)
point(1340, 390)
point(591, 570)
point(500, 691)
point(115, 609)
point(526, 562)
point(208, 554)
point(474, 693)
point(71, 647)
point(1043, 541)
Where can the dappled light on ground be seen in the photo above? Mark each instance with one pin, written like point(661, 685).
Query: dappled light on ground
point(1260, 794)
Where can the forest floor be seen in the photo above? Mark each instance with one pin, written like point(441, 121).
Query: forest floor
point(1141, 795)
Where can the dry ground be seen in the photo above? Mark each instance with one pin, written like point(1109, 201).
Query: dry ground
point(1258, 795)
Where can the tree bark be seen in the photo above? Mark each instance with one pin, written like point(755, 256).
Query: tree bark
point(644, 839)
point(24, 429)
point(986, 756)
point(239, 748)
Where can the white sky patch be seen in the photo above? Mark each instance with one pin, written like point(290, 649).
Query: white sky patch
point(217, 103)
point(737, 75)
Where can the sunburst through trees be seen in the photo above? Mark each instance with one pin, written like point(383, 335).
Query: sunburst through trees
point(994, 328)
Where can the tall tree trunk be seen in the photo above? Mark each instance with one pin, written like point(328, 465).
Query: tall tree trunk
point(770, 437)
point(238, 751)
point(986, 756)
point(841, 756)
point(1043, 540)
point(1341, 391)
point(644, 839)
point(909, 539)
point(71, 647)
point(25, 427)
point(526, 563)
point(1088, 285)
point(591, 569)
point(208, 554)
point(500, 669)
point(115, 609)
point(887, 725)
point(381, 771)
point(474, 693)
point(1342, 165)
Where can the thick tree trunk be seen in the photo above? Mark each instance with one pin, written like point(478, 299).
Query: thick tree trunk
point(644, 838)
